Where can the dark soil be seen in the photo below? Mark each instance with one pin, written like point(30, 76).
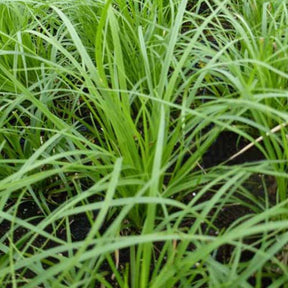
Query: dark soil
point(226, 145)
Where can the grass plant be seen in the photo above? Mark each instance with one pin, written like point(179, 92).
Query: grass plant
point(108, 110)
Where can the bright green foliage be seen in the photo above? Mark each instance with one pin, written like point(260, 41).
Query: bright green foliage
point(107, 109)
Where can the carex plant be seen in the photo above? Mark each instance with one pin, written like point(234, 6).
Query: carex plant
point(109, 110)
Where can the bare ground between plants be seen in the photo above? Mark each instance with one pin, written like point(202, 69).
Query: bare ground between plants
point(226, 145)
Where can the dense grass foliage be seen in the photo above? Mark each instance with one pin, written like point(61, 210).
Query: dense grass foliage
point(110, 115)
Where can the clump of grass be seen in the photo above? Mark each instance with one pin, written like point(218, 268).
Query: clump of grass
point(108, 112)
